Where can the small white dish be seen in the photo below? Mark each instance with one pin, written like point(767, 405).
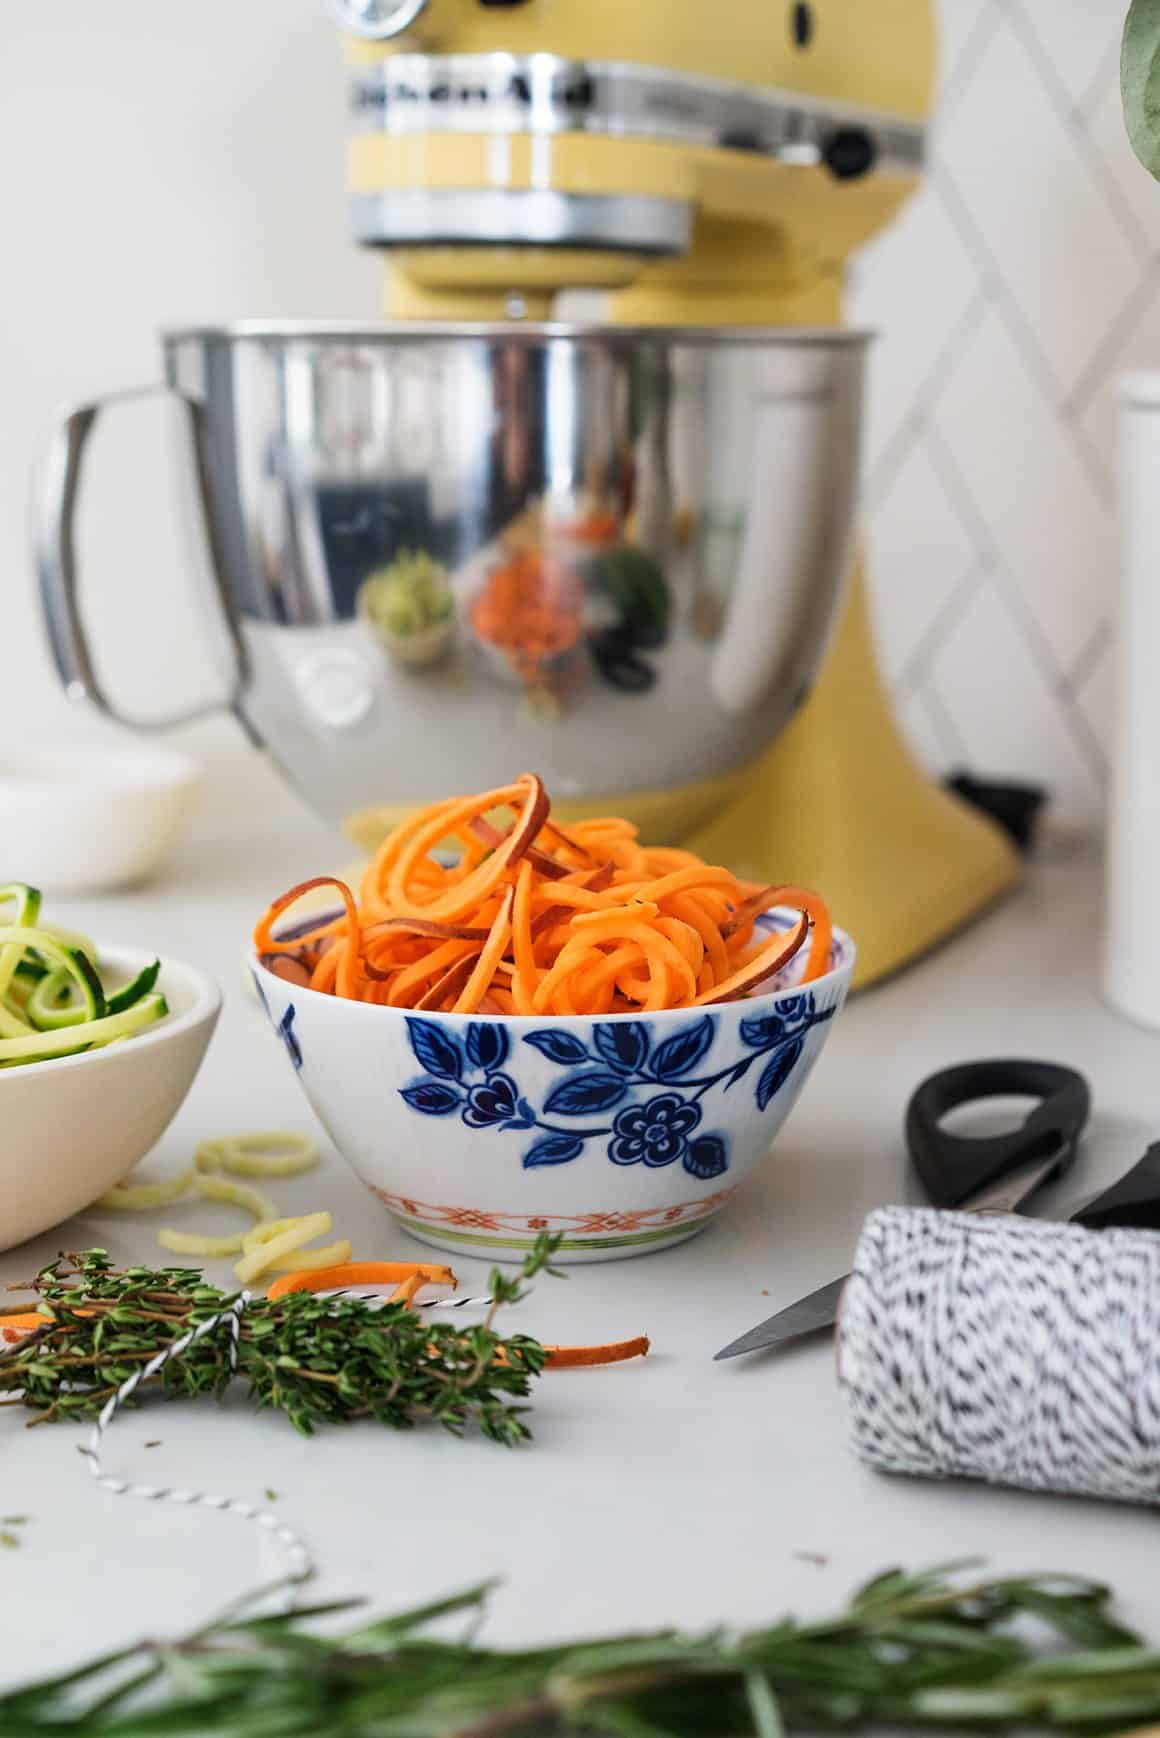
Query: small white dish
point(75, 1125)
point(85, 820)
point(622, 1134)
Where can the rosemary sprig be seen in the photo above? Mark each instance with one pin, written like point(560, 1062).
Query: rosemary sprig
point(319, 1360)
point(926, 1650)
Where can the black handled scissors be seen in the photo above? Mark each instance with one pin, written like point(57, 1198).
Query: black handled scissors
point(998, 1174)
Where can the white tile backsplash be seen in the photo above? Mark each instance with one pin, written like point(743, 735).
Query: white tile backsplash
point(921, 540)
point(1022, 281)
point(1001, 700)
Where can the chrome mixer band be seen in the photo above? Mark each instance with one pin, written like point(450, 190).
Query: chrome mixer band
point(546, 94)
point(538, 217)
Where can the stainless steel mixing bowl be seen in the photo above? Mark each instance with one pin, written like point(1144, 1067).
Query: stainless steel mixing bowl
point(446, 553)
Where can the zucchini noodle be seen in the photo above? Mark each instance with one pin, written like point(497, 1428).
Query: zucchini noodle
point(272, 1243)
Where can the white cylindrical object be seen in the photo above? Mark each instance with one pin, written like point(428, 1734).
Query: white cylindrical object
point(1132, 935)
point(1008, 1350)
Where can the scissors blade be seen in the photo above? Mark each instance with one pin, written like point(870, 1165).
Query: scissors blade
point(810, 1315)
point(1012, 1192)
point(819, 1311)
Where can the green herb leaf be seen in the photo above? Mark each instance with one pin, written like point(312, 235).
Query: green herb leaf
point(1140, 81)
point(916, 1650)
point(319, 1360)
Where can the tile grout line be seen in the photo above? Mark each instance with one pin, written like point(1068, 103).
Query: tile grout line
point(1072, 115)
point(970, 514)
point(943, 723)
point(951, 92)
point(1020, 329)
point(1026, 624)
point(1109, 68)
point(1006, 584)
point(946, 620)
point(1022, 618)
point(1089, 658)
point(910, 430)
point(1095, 371)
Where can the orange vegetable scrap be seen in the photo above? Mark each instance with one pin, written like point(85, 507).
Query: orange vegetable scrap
point(531, 609)
point(349, 1273)
point(582, 1357)
point(516, 916)
point(413, 1276)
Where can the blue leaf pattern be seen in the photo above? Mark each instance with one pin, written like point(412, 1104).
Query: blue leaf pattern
point(553, 1150)
point(436, 1048)
point(623, 1044)
point(777, 1071)
point(707, 1157)
point(761, 1031)
point(559, 1047)
point(468, 1077)
point(585, 1094)
point(289, 1037)
point(487, 1045)
point(432, 1098)
point(681, 1053)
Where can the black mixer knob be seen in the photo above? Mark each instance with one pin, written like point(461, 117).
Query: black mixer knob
point(849, 153)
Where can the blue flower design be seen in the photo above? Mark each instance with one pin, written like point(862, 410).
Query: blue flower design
point(492, 1102)
point(654, 1133)
point(464, 1074)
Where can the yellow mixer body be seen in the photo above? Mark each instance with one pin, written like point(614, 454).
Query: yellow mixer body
point(837, 801)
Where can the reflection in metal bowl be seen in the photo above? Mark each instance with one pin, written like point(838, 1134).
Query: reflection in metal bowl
point(685, 497)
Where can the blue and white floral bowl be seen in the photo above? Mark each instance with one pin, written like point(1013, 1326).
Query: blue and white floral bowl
point(623, 1134)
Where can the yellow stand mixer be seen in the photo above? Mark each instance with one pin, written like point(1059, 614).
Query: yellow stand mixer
point(704, 165)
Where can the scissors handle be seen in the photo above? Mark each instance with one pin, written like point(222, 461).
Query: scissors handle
point(953, 1168)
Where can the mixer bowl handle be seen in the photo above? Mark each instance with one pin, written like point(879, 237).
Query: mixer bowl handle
point(56, 562)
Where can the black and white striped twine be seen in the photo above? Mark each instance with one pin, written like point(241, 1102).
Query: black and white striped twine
point(1017, 1352)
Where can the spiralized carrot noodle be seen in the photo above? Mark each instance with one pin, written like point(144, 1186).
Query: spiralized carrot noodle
point(484, 905)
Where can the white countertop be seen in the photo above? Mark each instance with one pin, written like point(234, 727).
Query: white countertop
point(671, 1491)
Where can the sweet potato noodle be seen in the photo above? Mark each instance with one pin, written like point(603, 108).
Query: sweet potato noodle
point(484, 905)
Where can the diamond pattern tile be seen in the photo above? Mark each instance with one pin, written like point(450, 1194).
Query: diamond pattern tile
point(1016, 290)
point(1096, 696)
point(1035, 206)
point(963, 27)
point(927, 729)
point(1053, 529)
point(1003, 707)
point(1135, 191)
point(1134, 343)
point(909, 350)
point(1073, 41)
point(920, 539)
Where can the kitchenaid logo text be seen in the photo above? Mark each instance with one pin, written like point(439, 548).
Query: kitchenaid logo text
point(578, 94)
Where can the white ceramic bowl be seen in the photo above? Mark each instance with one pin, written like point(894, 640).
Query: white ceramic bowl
point(82, 820)
point(75, 1125)
point(622, 1134)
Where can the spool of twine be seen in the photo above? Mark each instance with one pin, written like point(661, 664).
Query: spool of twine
point(1002, 1349)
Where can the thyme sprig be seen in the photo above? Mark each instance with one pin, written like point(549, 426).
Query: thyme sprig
point(926, 1650)
point(319, 1360)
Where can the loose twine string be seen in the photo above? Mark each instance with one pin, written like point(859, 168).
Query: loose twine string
point(301, 1562)
point(300, 1558)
